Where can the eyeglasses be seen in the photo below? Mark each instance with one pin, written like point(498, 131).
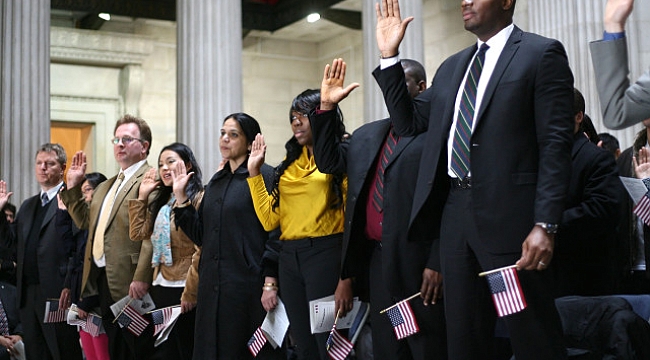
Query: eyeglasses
point(126, 140)
point(296, 116)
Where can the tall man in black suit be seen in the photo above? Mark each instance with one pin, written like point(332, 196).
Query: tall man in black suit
point(390, 262)
point(497, 183)
point(41, 260)
point(588, 253)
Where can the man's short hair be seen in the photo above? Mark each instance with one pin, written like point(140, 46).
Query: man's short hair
point(416, 69)
point(145, 130)
point(610, 142)
point(578, 102)
point(61, 157)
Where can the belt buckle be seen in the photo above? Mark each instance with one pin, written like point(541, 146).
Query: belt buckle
point(464, 183)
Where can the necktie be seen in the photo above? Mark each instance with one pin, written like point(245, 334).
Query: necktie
point(4, 323)
point(44, 199)
point(386, 152)
point(463, 132)
point(109, 200)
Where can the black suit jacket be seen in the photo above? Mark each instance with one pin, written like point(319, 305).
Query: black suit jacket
point(404, 255)
point(520, 147)
point(52, 254)
point(587, 251)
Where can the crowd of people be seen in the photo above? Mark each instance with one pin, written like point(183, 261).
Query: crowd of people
point(495, 165)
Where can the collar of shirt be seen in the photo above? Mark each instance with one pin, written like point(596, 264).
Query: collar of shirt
point(130, 171)
point(51, 193)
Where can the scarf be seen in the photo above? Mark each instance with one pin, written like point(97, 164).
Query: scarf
point(160, 239)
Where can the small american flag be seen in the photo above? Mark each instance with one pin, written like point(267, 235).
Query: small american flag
point(132, 320)
point(338, 347)
point(52, 312)
point(642, 209)
point(161, 318)
point(93, 324)
point(403, 320)
point(256, 342)
point(506, 291)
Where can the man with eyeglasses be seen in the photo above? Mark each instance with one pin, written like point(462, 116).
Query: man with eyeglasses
point(41, 261)
point(114, 265)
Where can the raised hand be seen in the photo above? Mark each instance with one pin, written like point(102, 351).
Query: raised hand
point(4, 195)
point(390, 27)
point(642, 163)
point(616, 14)
point(60, 202)
point(257, 156)
point(180, 177)
point(77, 170)
point(148, 184)
point(331, 89)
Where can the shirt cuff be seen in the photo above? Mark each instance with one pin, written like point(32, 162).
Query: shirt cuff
point(613, 36)
point(385, 63)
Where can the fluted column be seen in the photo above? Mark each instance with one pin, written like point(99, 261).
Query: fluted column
point(412, 48)
point(209, 73)
point(24, 91)
point(576, 23)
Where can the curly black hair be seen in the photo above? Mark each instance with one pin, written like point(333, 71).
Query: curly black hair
point(305, 103)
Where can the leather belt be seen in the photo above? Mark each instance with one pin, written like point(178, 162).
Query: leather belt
point(465, 183)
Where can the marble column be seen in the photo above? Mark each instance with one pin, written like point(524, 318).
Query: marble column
point(576, 23)
point(412, 47)
point(24, 91)
point(209, 74)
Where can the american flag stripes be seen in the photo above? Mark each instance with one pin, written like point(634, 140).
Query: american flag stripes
point(161, 318)
point(52, 312)
point(338, 347)
point(506, 291)
point(403, 320)
point(256, 342)
point(132, 320)
point(642, 209)
point(93, 324)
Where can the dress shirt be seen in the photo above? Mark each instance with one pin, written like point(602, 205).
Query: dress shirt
point(496, 44)
point(51, 193)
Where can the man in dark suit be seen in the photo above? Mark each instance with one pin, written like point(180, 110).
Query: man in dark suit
point(587, 261)
point(495, 184)
point(114, 265)
point(41, 260)
point(377, 252)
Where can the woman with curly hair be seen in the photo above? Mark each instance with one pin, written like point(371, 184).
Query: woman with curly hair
point(308, 207)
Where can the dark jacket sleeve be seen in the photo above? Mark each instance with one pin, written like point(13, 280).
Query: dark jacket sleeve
point(330, 152)
point(272, 245)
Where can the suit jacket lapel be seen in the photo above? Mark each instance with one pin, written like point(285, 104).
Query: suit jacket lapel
point(121, 195)
point(401, 144)
point(31, 210)
point(508, 52)
point(50, 212)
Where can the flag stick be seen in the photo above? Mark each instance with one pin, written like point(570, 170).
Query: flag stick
point(118, 315)
point(496, 270)
point(336, 319)
point(407, 299)
point(171, 307)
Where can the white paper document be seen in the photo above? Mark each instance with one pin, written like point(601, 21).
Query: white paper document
point(635, 187)
point(142, 306)
point(275, 325)
point(322, 315)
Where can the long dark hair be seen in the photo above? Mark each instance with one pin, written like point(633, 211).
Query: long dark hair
point(194, 185)
point(305, 103)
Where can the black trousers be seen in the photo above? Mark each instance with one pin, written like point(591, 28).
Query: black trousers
point(309, 269)
point(180, 343)
point(429, 343)
point(535, 332)
point(122, 344)
point(46, 341)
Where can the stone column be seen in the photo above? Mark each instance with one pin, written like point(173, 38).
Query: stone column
point(575, 24)
point(24, 91)
point(412, 48)
point(209, 74)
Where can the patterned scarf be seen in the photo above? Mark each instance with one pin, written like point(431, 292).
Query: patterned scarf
point(160, 239)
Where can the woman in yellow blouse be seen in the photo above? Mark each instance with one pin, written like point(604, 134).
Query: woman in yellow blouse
point(308, 207)
point(175, 280)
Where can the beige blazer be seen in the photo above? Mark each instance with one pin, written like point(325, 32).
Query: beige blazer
point(126, 260)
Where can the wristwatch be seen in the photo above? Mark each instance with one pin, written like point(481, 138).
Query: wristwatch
point(549, 228)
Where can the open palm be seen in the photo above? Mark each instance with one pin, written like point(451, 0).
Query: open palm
point(257, 155)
